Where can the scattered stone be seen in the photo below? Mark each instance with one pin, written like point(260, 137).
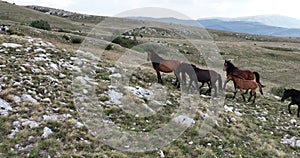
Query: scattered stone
point(184, 120)
point(47, 132)
point(27, 97)
point(4, 107)
point(11, 45)
point(31, 124)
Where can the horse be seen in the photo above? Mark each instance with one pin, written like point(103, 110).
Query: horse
point(162, 65)
point(295, 95)
point(199, 75)
point(246, 74)
point(243, 84)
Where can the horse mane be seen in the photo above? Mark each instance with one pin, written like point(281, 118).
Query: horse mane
point(155, 57)
point(293, 90)
point(230, 67)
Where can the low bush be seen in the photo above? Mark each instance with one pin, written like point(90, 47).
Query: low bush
point(40, 24)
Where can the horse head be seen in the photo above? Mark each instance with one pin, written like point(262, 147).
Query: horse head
point(287, 93)
point(226, 65)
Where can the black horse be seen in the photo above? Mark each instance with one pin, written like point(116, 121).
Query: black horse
point(199, 75)
point(295, 95)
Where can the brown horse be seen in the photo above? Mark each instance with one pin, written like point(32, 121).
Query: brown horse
point(243, 84)
point(163, 65)
point(199, 75)
point(246, 74)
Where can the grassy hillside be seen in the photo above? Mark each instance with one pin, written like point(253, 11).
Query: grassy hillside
point(53, 97)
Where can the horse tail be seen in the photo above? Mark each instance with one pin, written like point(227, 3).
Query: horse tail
point(183, 78)
point(259, 84)
point(220, 82)
point(257, 78)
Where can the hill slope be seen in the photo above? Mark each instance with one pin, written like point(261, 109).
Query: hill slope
point(43, 81)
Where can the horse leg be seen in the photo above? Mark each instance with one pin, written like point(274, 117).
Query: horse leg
point(189, 86)
point(298, 111)
point(177, 82)
point(246, 92)
point(252, 93)
point(234, 93)
point(159, 80)
point(243, 97)
point(197, 85)
point(202, 84)
point(215, 88)
point(289, 107)
point(209, 88)
point(254, 98)
point(224, 86)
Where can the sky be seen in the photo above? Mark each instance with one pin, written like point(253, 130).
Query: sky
point(192, 9)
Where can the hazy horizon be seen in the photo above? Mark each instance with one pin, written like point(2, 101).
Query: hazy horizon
point(191, 9)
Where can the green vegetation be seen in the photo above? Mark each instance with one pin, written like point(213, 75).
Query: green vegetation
point(77, 40)
point(125, 42)
point(40, 24)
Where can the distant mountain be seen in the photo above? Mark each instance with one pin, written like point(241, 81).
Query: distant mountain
point(249, 27)
point(272, 20)
point(242, 25)
point(170, 20)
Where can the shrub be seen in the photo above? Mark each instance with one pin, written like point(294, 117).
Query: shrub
point(77, 40)
point(66, 37)
point(40, 24)
point(109, 47)
point(278, 91)
point(125, 42)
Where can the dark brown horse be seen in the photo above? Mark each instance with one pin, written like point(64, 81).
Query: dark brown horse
point(163, 65)
point(295, 95)
point(245, 74)
point(199, 75)
point(243, 84)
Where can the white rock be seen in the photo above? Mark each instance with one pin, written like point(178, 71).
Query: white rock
point(27, 97)
point(161, 153)
point(13, 133)
point(184, 120)
point(237, 113)
point(297, 143)
point(78, 124)
point(116, 75)
point(31, 124)
point(4, 107)
point(293, 121)
point(40, 50)
point(114, 97)
point(228, 108)
point(140, 92)
point(50, 117)
point(47, 132)
point(11, 45)
point(262, 119)
point(61, 75)
point(54, 66)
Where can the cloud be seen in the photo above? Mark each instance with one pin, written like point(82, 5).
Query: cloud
point(48, 3)
point(192, 8)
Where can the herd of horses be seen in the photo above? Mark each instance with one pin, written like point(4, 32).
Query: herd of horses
point(243, 80)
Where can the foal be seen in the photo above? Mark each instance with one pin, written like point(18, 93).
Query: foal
point(243, 84)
